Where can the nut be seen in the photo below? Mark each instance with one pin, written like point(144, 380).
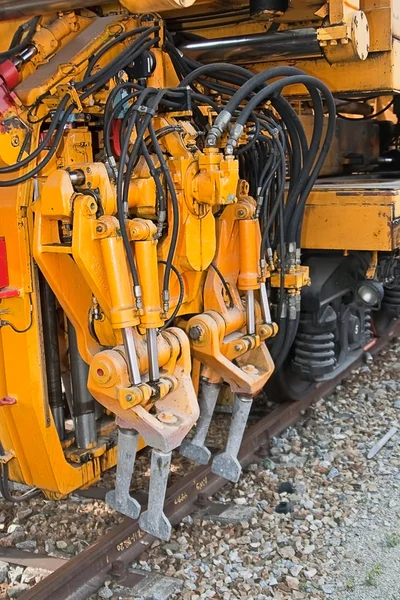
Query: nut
point(195, 333)
point(167, 418)
point(250, 370)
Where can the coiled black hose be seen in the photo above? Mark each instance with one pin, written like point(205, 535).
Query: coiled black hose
point(4, 485)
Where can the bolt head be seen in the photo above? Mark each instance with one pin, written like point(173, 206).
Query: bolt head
point(129, 398)
point(195, 333)
point(15, 141)
point(250, 370)
point(238, 347)
point(368, 358)
point(167, 418)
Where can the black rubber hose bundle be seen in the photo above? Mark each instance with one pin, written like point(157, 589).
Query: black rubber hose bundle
point(18, 44)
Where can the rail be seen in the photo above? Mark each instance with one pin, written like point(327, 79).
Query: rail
point(84, 574)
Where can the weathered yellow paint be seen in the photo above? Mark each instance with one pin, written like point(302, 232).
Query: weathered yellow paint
point(337, 217)
point(355, 218)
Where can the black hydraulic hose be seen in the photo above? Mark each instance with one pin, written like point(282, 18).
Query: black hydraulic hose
point(296, 226)
point(255, 81)
point(43, 143)
point(117, 40)
point(110, 109)
point(278, 202)
point(120, 203)
point(162, 132)
point(161, 199)
point(124, 85)
point(129, 121)
point(212, 70)
point(184, 69)
point(254, 138)
point(175, 209)
point(181, 295)
point(278, 340)
point(225, 76)
point(111, 70)
point(290, 335)
point(147, 123)
point(204, 99)
point(123, 58)
point(300, 173)
point(224, 285)
point(17, 48)
point(180, 66)
point(4, 485)
point(108, 121)
point(47, 158)
point(276, 88)
point(124, 178)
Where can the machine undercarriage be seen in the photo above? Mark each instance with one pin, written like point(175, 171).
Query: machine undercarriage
point(177, 215)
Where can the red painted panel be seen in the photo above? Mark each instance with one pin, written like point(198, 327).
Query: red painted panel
point(3, 264)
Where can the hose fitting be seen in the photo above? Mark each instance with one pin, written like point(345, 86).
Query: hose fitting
point(220, 124)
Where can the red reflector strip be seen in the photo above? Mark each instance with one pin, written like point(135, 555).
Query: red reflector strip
point(3, 264)
point(7, 401)
point(9, 293)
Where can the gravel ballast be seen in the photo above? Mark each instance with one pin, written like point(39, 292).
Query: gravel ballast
point(341, 541)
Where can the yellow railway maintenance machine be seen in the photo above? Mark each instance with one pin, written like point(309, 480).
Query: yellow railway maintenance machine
point(192, 194)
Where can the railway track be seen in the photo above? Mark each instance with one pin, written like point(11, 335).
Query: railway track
point(83, 575)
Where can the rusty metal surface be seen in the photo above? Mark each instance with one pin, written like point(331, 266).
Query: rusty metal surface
point(85, 573)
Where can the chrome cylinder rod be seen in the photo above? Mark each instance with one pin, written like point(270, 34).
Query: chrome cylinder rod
point(277, 45)
point(265, 310)
point(250, 314)
point(152, 353)
point(133, 364)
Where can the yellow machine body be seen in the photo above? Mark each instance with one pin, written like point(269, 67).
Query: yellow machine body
point(64, 222)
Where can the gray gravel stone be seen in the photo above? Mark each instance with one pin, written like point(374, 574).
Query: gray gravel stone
point(27, 545)
point(3, 571)
point(17, 590)
point(105, 593)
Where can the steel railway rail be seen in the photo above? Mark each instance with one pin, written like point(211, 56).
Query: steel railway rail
point(83, 575)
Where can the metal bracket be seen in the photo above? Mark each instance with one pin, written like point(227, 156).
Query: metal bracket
point(6, 457)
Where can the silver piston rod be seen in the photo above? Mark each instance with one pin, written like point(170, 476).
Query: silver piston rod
point(258, 47)
point(152, 352)
point(131, 356)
